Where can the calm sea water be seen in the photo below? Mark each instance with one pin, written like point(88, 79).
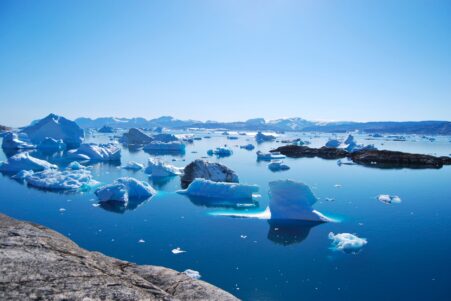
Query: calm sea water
point(409, 244)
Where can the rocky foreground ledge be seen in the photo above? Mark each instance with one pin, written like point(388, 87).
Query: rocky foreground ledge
point(373, 158)
point(37, 263)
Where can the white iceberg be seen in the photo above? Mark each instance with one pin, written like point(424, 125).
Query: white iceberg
point(21, 175)
point(14, 141)
point(293, 200)
point(177, 251)
point(131, 165)
point(56, 127)
point(353, 147)
point(57, 180)
point(157, 146)
point(135, 137)
point(389, 199)
point(192, 274)
point(220, 152)
point(125, 189)
point(96, 152)
point(210, 171)
point(260, 137)
point(269, 156)
point(158, 168)
point(278, 166)
point(219, 190)
point(23, 161)
point(347, 242)
point(51, 145)
point(333, 143)
point(248, 147)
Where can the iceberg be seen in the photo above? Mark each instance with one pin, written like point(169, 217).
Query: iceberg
point(278, 166)
point(353, 147)
point(333, 143)
point(75, 166)
point(350, 139)
point(158, 168)
point(125, 189)
point(389, 199)
point(347, 242)
point(165, 138)
point(57, 180)
point(248, 147)
point(97, 152)
point(220, 152)
point(106, 129)
point(157, 146)
point(23, 161)
point(13, 141)
point(293, 200)
point(232, 137)
point(345, 161)
point(131, 165)
point(261, 156)
point(260, 137)
point(210, 171)
point(51, 145)
point(56, 127)
point(135, 137)
point(219, 190)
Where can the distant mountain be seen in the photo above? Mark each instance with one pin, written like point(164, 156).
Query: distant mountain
point(285, 124)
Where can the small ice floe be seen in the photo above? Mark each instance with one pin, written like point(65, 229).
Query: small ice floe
point(389, 199)
point(243, 236)
point(62, 209)
point(333, 143)
point(58, 180)
point(192, 274)
point(345, 161)
point(329, 199)
point(269, 156)
point(75, 166)
point(141, 241)
point(14, 141)
point(248, 147)
point(220, 152)
point(158, 168)
point(177, 251)
point(260, 137)
point(347, 242)
point(132, 165)
point(24, 161)
point(220, 190)
point(157, 146)
point(51, 145)
point(338, 185)
point(124, 189)
point(95, 205)
point(278, 165)
point(96, 152)
point(232, 137)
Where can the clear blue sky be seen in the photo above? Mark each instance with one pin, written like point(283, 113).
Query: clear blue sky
point(226, 59)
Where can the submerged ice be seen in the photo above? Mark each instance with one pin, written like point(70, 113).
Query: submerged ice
point(125, 189)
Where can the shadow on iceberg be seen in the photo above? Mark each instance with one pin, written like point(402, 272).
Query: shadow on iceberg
point(287, 232)
point(121, 207)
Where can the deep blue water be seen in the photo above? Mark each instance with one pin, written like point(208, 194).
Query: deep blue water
point(409, 244)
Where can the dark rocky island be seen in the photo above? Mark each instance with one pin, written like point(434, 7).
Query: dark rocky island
point(372, 158)
point(4, 128)
point(37, 263)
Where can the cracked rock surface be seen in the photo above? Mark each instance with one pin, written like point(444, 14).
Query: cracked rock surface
point(37, 263)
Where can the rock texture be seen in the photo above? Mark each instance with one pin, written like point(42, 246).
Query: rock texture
point(39, 264)
point(210, 171)
point(295, 151)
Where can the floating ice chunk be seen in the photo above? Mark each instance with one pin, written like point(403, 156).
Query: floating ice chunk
point(269, 156)
point(62, 209)
point(23, 161)
point(106, 129)
point(260, 137)
point(51, 145)
point(21, 175)
point(353, 147)
point(210, 171)
point(174, 146)
point(56, 127)
point(177, 251)
point(248, 147)
point(56, 180)
point(293, 200)
point(220, 190)
point(220, 152)
point(345, 161)
point(97, 152)
point(14, 141)
point(333, 143)
point(141, 241)
point(278, 166)
point(75, 166)
point(165, 138)
point(350, 139)
point(347, 242)
point(131, 165)
point(124, 189)
point(158, 168)
point(135, 137)
point(265, 215)
point(192, 274)
point(389, 199)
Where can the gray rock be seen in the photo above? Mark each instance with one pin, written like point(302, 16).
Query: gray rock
point(210, 171)
point(37, 263)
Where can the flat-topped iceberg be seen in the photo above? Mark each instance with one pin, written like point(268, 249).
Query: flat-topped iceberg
point(57, 180)
point(97, 152)
point(293, 200)
point(157, 146)
point(125, 189)
point(51, 145)
point(206, 170)
point(347, 242)
point(261, 156)
point(14, 141)
point(135, 137)
point(56, 127)
point(248, 147)
point(260, 137)
point(333, 143)
point(158, 168)
point(24, 161)
point(389, 199)
point(220, 190)
point(278, 166)
point(131, 165)
point(220, 152)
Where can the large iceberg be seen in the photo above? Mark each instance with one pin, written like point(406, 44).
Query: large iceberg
point(220, 152)
point(220, 190)
point(157, 146)
point(24, 161)
point(56, 127)
point(293, 200)
point(51, 145)
point(347, 242)
point(158, 168)
point(165, 138)
point(57, 180)
point(261, 156)
point(96, 152)
point(135, 137)
point(210, 171)
point(14, 141)
point(125, 189)
point(260, 137)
